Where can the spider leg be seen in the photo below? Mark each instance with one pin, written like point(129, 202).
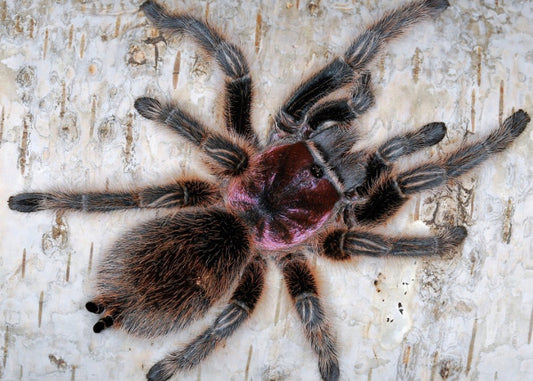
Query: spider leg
point(358, 171)
point(342, 244)
point(228, 56)
point(175, 195)
point(343, 111)
point(240, 307)
point(336, 112)
point(390, 191)
point(381, 160)
point(228, 155)
point(303, 290)
point(342, 70)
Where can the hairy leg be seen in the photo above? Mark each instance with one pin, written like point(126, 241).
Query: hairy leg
point(342, 71)
point(381, 160)
point(228, 155)
point(240, 307)
point(176, 195)
point(358, 171)
point(303, 290)
point(390, 191)
point(342, 244)
point(228, 56)
point(321, 116)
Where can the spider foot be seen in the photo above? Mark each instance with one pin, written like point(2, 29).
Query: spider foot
point(455, 235)
point(329, 369)
point(161, 371)
point(27, 202)
point(149, 108)
point(409, 143)
point(516, 123)
point(438, 5)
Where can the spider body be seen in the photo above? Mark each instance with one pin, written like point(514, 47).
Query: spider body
point(302, 191)
point(287, 197)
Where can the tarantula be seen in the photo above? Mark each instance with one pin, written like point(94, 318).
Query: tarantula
point(302, 190)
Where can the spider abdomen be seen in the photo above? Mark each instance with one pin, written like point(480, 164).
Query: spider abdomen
point(168, 272)
point(286, 196)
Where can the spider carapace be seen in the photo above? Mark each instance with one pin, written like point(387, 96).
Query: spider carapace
point(287, 197)
point(304, 190)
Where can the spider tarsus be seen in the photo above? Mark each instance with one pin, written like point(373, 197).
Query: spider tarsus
point(343, 111)
point(439, 5)
point(149, 108)
point(447, 241)
point(403, 145)
point(152, 10)
point(160, 371)
point(26, 202)
point(516, 123)
point(431, 134)
point(329, 370)
point(454, 236)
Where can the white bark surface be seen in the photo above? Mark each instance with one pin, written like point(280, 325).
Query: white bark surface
point(69, 74)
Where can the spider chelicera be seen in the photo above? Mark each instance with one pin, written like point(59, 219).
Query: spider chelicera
point(303, 190)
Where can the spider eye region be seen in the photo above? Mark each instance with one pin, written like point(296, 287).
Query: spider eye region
point(285, 197)
point(317, 171)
